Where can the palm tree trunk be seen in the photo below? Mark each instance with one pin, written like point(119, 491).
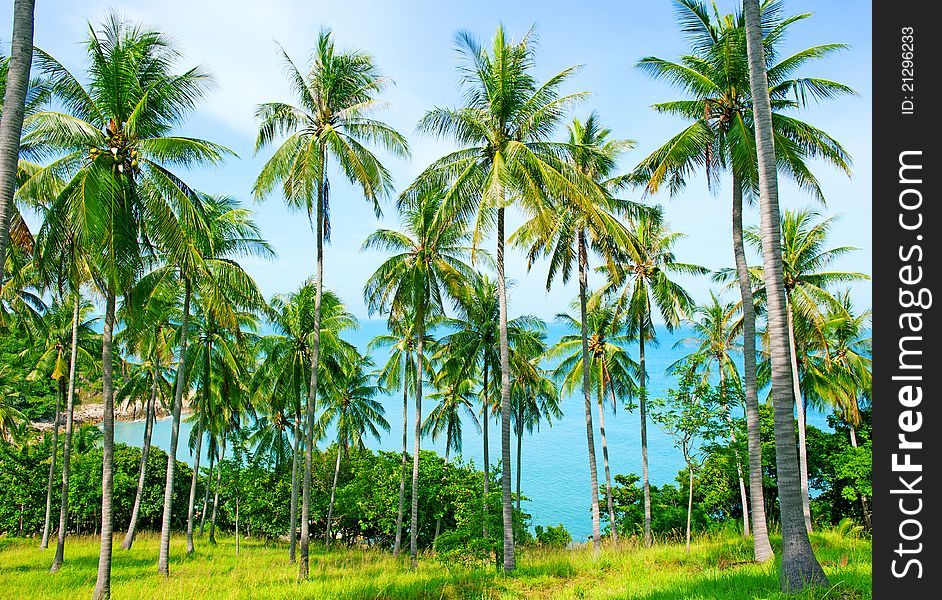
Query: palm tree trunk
point(11, 123)
point(212, 520)
point(419, 360)
point(103, 584)
point(800, 568)
point(333, 493)
point(761, 547)
point(642, 406)
point(732, 437)
point(800, 411)
point(237, 525)
point(190, 548)
point(438, 519)
point(293, 527)
point(402, 469)
point(608, 473)
point(519, 456)
point(484, 427)
point(163, 564)
point(312, 389)
point(145, 450)
point(510, 561)
point(60, 384)
point(587, 391)
point(689, 500)
point(209, 476)
point(67, 443)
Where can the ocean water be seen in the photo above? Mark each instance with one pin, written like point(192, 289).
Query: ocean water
point(555, 475)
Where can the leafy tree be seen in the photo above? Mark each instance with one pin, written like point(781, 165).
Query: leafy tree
point(331, 120)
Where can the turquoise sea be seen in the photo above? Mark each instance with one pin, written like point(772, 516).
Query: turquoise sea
point(555, 474)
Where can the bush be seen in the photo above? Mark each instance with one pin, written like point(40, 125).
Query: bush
point(553, 536)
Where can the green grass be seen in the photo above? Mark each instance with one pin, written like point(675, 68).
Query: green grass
point(718, 567)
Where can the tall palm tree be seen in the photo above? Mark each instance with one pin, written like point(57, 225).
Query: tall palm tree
point(641, 279)
point(714, 348)
point(426, 269)
point(807, 273)
point(506, 158)
point(53, 340)
point(609, 366)
point(281, 377)
point(839, 369)
point(352, 407)
point(332, 119)
point(11, 120)
point(799, 568)
point(719, 107)
point(146, 315)
point(399, 372)
point(115, 148)
point(534, 396)
point(565, 232)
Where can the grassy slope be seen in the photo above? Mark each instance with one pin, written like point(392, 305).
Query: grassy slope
point(716, 568)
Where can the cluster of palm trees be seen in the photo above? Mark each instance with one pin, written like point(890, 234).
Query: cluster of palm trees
point(100, 159)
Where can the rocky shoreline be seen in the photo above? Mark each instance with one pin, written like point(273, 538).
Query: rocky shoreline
point(92, 413)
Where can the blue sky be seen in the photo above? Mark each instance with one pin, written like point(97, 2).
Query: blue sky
point(413, 44)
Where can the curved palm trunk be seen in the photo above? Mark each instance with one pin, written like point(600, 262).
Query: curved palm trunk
point(800, 568)
point(438, 519)
point(761, 548)
point(60, 384)
point(293, 527)
point(642, 407)
point(212, 520)
point(312, 389)
point(190, 548)
point(103, 584)
point(419, 360)
point(11, 123)
point(209, 476)
point(608, 473)
point(402, 469)
point(510, 561)
point(800, 411)
point(587, 391)
point(145, 451)
point(484, 435)
point(333, 493)
point(163, 563)
point(67, 443)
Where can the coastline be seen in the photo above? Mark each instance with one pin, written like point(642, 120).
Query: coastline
point(92, 413)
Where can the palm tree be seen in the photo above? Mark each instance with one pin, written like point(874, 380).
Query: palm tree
point(641, 278)
point(148, 335)
point(455, 385)
point(719, 107)
point(839, 369)
point(610, 368)
point(564, 234)
point(427, 267)
point(331, 120)
point(399, 372)
point(506, 158)
point(807, 276)
point(714, 341)
point(53, 339)
point(800, 568)
point(352, 406)
point(115, 148)
point(534, 395)
point(283, 373)
point(11, 121)
point(226, 296)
